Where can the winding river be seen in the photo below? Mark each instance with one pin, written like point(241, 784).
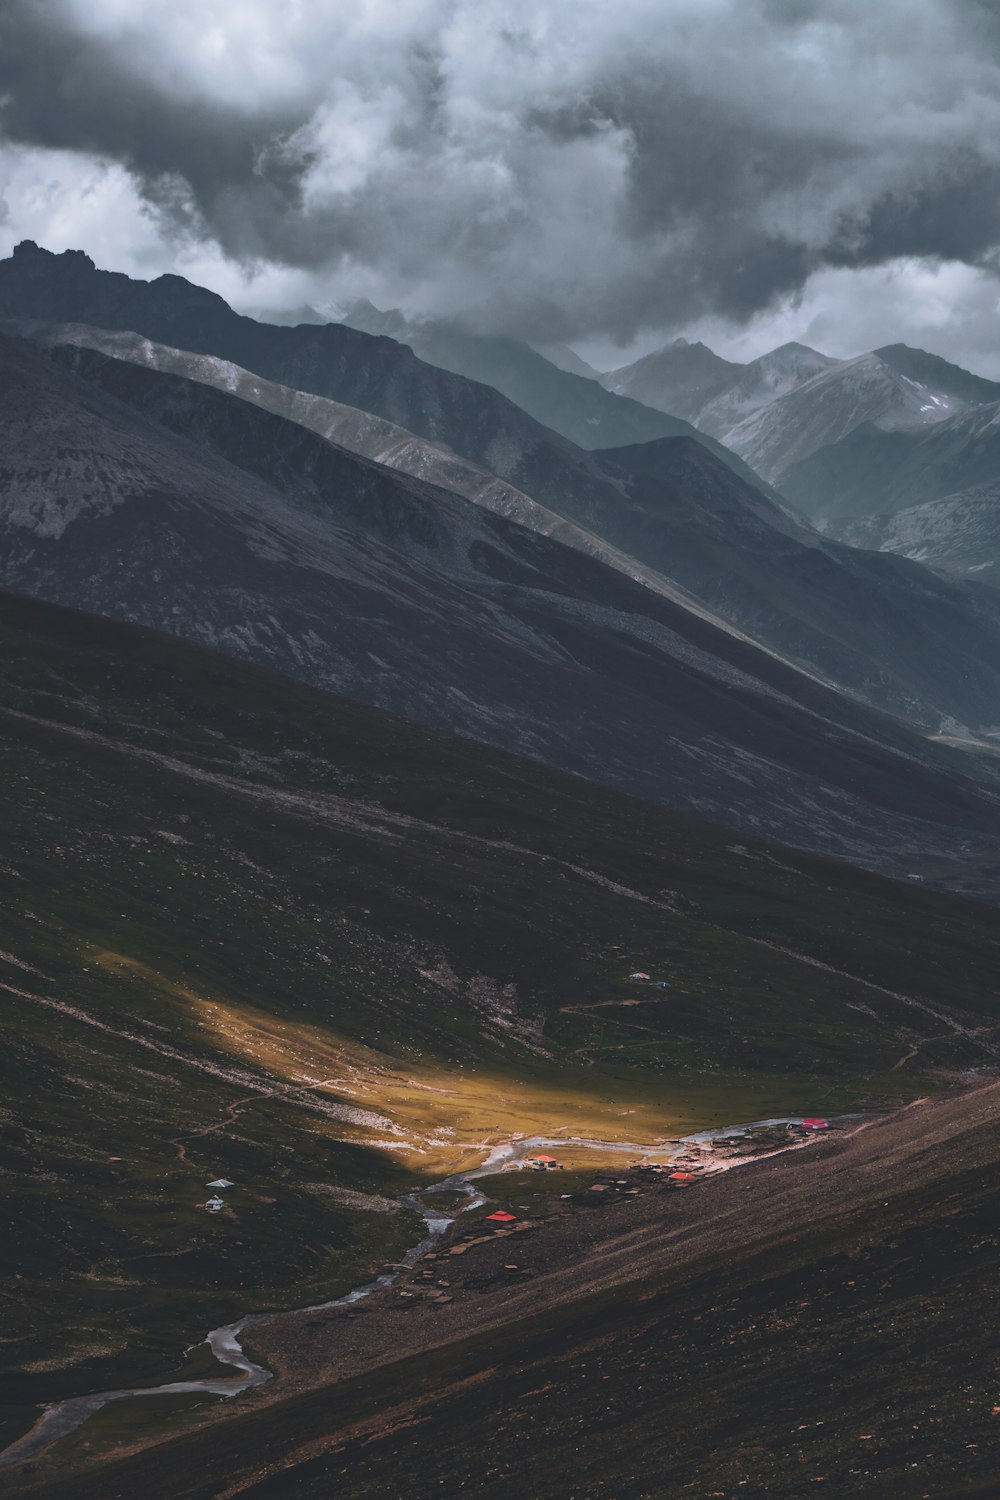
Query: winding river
point(225, 1343)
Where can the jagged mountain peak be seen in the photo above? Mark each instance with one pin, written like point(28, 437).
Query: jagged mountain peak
point(30, 250)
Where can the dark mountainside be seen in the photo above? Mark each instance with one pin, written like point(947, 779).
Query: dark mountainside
point(360, 431)
point(147, 497)
point(884, 629)
point(899, 638)
point(254, 930)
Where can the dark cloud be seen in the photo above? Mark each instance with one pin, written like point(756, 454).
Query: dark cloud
point(593, 169)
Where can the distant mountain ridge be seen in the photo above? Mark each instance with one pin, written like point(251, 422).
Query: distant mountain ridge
point(894, 387)
point(880, 389)
point(782, 407)
point(374, 373)
point(569, 402)
point(715, 394)
point(682, 378)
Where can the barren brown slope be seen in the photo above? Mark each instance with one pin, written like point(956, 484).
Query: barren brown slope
point(826, 1317)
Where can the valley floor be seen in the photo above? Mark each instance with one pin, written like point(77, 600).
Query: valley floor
point(825, 1316)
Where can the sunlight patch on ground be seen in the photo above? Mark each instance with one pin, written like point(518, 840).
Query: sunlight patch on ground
point(445, 1118)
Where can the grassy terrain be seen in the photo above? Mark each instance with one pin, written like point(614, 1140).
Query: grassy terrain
point(251, 930)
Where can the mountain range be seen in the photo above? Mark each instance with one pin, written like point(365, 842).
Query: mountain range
point(788, 404)
point(891, 451)
point(893, 387)
point(674, 516)
point(567, 401)
point(715, 394)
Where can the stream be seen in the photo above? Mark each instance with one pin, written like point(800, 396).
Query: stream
point(64, 1417)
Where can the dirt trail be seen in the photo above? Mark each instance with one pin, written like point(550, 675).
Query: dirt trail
point(233, 1111)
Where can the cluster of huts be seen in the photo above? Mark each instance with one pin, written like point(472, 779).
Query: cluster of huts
point(215, 1204)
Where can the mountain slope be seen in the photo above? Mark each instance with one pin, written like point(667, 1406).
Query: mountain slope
point(682, 378)
point(182, 507)
point(381, 377)
point(759, 383)
point(872, 472)
point(565, 358)
point(957, 534)
point(890, 633)
point(893, 387)
point(254, 930)
point(348, 427)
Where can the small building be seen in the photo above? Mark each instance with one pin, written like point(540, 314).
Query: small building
point(815, 1124)
point(220, 1184)
point(502, 1217)
point(639, 975)
point(542, 1163)
point(215, 1205)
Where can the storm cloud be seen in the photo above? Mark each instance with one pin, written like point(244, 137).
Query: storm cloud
point(558, 169)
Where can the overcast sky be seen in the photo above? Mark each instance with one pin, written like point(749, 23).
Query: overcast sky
point(608, 172)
